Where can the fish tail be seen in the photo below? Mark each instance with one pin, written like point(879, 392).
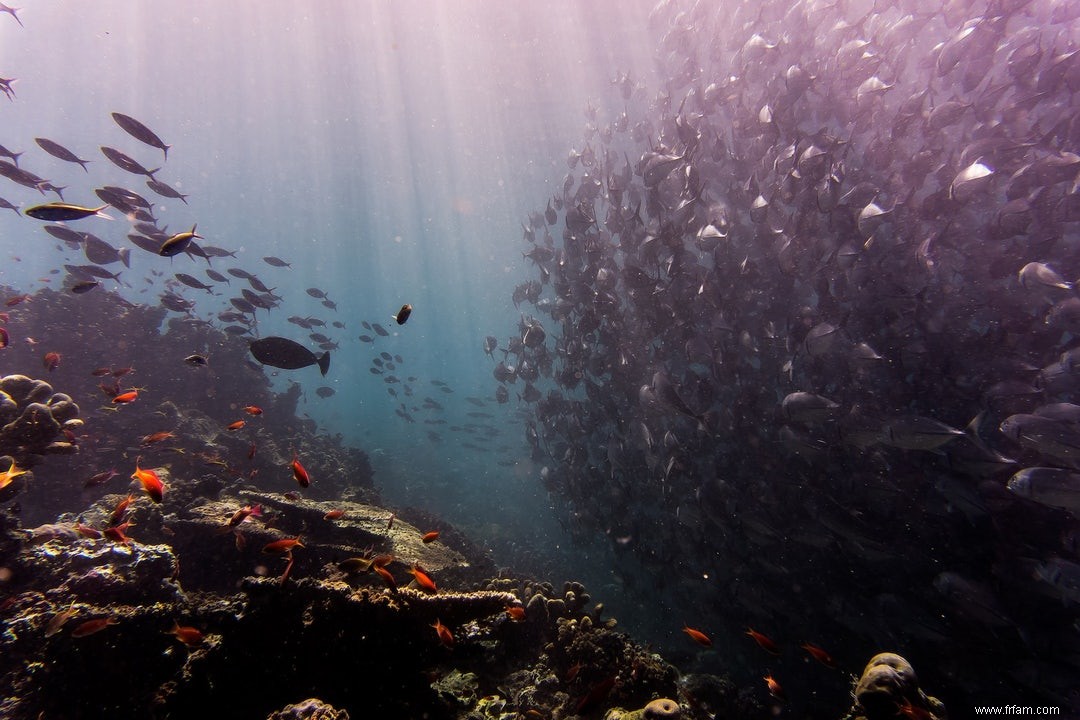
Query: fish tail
point(324, 362)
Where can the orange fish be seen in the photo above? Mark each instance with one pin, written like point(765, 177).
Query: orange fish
point(382, 560)
point(516, 612)
point(88, 532)
point(242, 514)
point(118, 533)
point(386, 575)
point(120, 509)
point(252, 410)
point(59, 619)
point(334, 515)
point(5, 339)
point(9, 475)
point(912, 711)
point(156, 437)
point(13, 301)
point(423, 579)
point(51, 361)
point(125, 398)
point(445, 636)
point(774, 687)
point(430, 536)
point(151, 483)
point(697, 636)
point(190, 636)
point(283, 546)
point(299, 473)
point(92, 626)
point(820, 655)
point(766, 644)
point(235, 425)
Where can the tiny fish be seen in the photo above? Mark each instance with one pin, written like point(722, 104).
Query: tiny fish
point(178, 243)
point(697, 636)
point(423, 579)
point(445, 636)
point(252, 410)
point(90, 627)
point(403, 314)
point(430, 536)
point(125, 398)
point(766, 644)
point(334, 515)
point(279, 547)
point(150, 481)
point(192, 637)
point(51, 361)
point(299, 473)
point(236, 425)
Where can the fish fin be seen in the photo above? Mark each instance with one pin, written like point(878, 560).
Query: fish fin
point(324, 362)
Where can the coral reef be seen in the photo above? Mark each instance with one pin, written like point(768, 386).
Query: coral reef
point(888, 688)
point(310, 709)
point(33, 420)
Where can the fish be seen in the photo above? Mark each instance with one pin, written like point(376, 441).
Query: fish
point(324, 391)
point(196, 360)
point(166, 190)
point(178, 243)
point(252, 410)
point(193, 282)
point(90, 627)
point(697, 636)
point(57, 621)
point(774, 688)
point(386, 575)
point(403, 314)
point(287, 354)
point(100, 478)
point(334, 515)
point(59, 151)
point(818, 654)
point(126, 397)
point(121, 507)
point(61, 212)
point(423, 579)
point(126, 163)
point(9, 475)
point(443, 633)
point(280, 547)
point(190, 636)
point(118, 533)
point(275, 261)
point(1050, 486)
point(515, 612)
point(237, 425)
point(51, 360)
point(430, 536)
point(150, 482)
point(140, 132)
point(763, 641)
point(154, 438)
point(299, 473)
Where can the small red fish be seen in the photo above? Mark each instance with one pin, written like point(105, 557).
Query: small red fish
point(118, 533)
point(157, 437)
point(5, 340)
point(120, 509)
point(820, 655)
point(192, 637)
point(430, 536)
point(236, 425)
point(88, 532)
point(334, 515)
point(279, 547)
point(423, 579)
point(763, 640)
point(125, 398)
point(151, 483)
point(386, 575)
point(697, 636)
point(121, 372)
point(516, 612)
point(445, 636)
point(51, 361)
point(90, 627)
point(251, 452)
point(13, 301)
point(243, 513)
point(253, 410)
point(101, 372)
point(596, 695)
point(774, 688)
point(299, 473)
point(913, 711)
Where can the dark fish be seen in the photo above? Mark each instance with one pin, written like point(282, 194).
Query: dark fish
point(193, 282)
point(286, 354)
point(98, 251)
point(71, 237)
point(367, 339)
point(316, 293)
point(324, 391)
point(239, 273)
point(59, 151)
point(84, 286)
point(403, 314)
point(196, 360)
point(5, 205)
point(140, 132)
point(91, 271)
point(275, 261)
point(23, 177)
point(165, 190)
point(124, 162)
point(216, 276)
point(61, 212)
point(379, 329)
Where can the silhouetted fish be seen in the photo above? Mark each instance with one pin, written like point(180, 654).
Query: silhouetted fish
point(286, 354)
point(140, 132)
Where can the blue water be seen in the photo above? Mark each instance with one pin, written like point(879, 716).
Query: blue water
point(389, 151)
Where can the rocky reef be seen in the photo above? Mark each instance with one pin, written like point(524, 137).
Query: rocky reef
point(888, 688)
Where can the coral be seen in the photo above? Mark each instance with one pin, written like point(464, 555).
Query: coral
point(888, 684)
point(32, 419)
point(310, 709)
point(659, 709)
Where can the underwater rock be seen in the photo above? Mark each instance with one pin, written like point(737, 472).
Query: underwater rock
point(889, 687)
point(32, 419)
point(310, 709)
point(659, 709)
